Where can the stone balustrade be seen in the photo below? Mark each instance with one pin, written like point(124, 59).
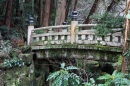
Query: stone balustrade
point(51, 35)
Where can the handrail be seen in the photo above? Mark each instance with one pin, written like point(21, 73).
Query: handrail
point(58, 26)
point(86, 25)
point(63, 26)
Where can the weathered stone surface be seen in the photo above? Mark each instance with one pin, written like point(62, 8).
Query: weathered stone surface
point(102, 42)
point(107, 39)
point(89, 52)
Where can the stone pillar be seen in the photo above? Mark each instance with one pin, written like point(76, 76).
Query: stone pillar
point(30, 28)
point(74, 23)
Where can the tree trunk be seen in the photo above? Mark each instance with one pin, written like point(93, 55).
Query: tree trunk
point(32, 6)
point(3, 12)
point(127, 32)
point(76, 1)
point(9, 13)
point(92, 10)
point(47, 13)
point(17, 11)
point(68, 3)
point(3, 8)
point(53, 12)
point(57, 11)
point(111, 5)
point(40, 12)
point(62, 12)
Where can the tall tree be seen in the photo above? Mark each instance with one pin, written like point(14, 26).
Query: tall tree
point(92, 10)
point(40, 19)
point(9, 13)
point(111, 5)
point(68, 3)
point(62, 12)
point(47, 13)
point(127, 32)
point(3, 6)
point(53, 12)
point(75, 4)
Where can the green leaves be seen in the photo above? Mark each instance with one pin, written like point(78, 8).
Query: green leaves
point(105, 77)
point(53, 75)
point(91, 83)
point(106, 23)
point(64, 78)
point(102, 30)
point(71, 68)
point(117, 78)
point(119, 62)
point(13, 62)
point(127, 54)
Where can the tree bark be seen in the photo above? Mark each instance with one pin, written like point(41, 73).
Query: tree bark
point(3, 12)
point(9, 13)
point(62, 12)
point(52, 12)
point(76, 1)
point(3, 8)
point(111, 5)
point(68, 3)
point(40, 13)
point(92, 10)
point(127, 32)
point(47, 13)
point(17, 11)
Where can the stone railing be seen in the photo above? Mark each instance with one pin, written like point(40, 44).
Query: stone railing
point(51, 35)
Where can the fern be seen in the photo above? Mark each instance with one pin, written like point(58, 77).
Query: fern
point(71, 68)
point(58, 82)
point(117, 78)
point(53, 75)
point(91, 83)
point(64, 78)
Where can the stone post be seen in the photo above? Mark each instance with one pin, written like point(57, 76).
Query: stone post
point(74, 23)
point(30, 28)
point(65, 28)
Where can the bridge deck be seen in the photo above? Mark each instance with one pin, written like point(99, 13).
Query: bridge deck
point(46, 42)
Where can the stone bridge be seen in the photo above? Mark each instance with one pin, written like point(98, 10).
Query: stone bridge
point(75, 45)
point(72, 41)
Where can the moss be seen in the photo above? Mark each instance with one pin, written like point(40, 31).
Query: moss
point(25, 82)
point(27, 58)
point(18, 73)
point(75, 45)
